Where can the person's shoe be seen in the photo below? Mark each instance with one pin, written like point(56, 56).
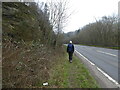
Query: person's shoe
point(71, 61)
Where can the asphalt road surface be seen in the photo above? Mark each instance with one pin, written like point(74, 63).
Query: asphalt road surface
point(105, 59)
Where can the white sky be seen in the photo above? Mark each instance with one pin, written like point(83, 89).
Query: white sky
point(85, 12)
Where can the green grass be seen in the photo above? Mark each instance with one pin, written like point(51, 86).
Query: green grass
point(117, 48)
point(70, 75)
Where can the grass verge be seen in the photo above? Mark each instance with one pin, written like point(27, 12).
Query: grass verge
point(70, 75)
point(117, 48)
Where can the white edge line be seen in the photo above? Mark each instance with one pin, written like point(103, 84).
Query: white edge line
point(85, 58)
point(110, 78)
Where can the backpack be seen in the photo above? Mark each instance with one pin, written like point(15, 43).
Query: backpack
point(70, 47)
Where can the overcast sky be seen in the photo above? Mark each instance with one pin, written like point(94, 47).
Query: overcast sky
point(85, 12)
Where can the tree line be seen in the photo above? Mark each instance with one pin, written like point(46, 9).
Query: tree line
point(103, 32)
point(31, 35)
point(30, 22)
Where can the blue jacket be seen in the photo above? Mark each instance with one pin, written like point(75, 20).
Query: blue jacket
point(70, 48)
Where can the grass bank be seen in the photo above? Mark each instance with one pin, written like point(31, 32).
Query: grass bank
point(70, 75)
point(24, 66)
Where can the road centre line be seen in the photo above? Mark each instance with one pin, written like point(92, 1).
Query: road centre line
point(106, 75)
point(107, 53)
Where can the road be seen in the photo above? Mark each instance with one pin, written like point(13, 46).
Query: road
point(105, 59)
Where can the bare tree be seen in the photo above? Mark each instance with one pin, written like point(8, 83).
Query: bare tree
point(58, 16)
point(103, 32)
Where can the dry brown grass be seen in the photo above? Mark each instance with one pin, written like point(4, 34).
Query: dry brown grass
point(24, 66)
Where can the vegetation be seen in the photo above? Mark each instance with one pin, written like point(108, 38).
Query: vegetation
point(70, 75)
point(24, 67)
point(25, 22)
point(32, 51)
point(103, 32)
point(29, 44)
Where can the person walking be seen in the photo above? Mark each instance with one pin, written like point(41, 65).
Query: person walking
point(70, 50)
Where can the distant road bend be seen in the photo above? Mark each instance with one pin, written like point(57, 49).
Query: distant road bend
point(105, 59)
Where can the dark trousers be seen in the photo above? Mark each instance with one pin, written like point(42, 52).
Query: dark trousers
point(70, 55)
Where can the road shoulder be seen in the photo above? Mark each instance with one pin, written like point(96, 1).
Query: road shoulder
point(101, 79)
point(70, 75)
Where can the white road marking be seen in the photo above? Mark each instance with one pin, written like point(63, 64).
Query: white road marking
point(85, 58)
point(107, 53)
point(110, 78)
